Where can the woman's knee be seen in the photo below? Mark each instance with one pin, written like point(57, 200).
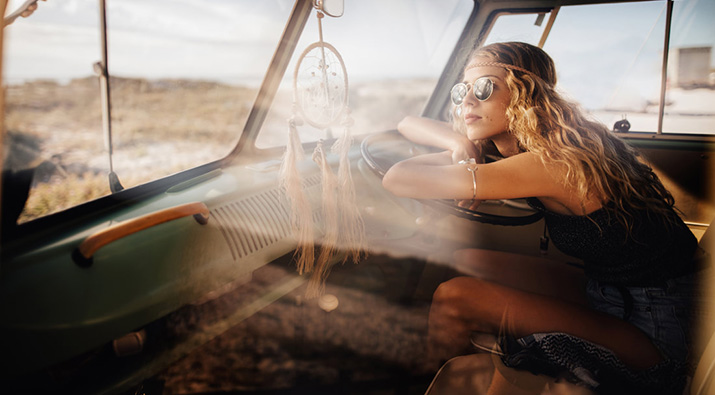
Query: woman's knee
point(462, 304)
point(461, 298)
point(456, 290)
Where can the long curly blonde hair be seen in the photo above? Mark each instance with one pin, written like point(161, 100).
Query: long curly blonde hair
point(598, 163)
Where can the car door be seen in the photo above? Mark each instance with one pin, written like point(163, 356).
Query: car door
point(118, 206)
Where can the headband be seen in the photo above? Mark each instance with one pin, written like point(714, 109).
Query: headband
point(504, 65)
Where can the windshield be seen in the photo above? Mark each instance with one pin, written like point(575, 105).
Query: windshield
point(392, 58)
point(182, 79)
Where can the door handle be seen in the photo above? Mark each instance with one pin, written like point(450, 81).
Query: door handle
point(82, 255)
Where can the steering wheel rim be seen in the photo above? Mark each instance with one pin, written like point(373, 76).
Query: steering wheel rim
point(380, 167)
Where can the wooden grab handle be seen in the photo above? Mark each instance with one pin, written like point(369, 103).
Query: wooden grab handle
point(82, 255)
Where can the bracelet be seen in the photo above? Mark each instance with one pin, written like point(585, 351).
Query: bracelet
point(473, 170)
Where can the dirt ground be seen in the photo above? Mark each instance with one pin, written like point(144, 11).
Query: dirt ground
point(372, 342)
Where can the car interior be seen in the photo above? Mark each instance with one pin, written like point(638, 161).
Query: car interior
point(192, 197)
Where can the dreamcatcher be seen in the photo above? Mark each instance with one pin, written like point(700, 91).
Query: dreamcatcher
point(320, 98)
point(320, 84)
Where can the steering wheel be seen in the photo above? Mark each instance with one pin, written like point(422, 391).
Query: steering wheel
point(381, 151)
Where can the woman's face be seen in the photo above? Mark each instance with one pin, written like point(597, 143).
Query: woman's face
point(485, 119)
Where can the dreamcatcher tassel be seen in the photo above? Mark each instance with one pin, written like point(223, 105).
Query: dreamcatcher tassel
point(352, 226)
point(329, 244)
point(301, 218)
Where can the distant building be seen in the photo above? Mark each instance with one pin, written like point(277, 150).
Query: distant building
point(689, 67)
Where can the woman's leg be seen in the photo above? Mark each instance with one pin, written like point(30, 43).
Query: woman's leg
point(463, 305)
point(533, 274)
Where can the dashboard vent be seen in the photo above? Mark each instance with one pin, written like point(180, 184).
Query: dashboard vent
point(258, 221)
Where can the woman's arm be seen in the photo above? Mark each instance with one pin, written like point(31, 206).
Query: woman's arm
point(438, 134)
point(433, 176)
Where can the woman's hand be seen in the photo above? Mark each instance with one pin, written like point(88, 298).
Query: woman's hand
point(469, 203)
point(463, 150)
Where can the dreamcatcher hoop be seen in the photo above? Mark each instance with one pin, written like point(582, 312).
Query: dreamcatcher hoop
point(320, 85)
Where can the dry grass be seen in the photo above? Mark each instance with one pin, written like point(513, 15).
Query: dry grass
point(159, 127)
point(168, 110)
point(49, 197)
point(142, 110)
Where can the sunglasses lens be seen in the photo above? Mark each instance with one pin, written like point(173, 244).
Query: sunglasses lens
point(483, 88)
point(459, 92)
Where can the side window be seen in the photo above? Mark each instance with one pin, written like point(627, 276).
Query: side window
point(617, 73)
point(392, 64)
point(53, 115)
point(607, 61)
point(610, 62)
point(690, 94)
point(183, 78)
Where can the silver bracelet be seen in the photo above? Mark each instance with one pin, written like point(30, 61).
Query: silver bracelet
point(473, 170)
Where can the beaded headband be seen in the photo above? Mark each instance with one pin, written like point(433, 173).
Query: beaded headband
point(504, 65)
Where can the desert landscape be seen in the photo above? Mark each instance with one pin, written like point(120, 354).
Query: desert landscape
point(159, 127)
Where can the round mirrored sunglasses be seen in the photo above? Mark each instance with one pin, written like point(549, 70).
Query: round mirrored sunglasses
point(482, 89)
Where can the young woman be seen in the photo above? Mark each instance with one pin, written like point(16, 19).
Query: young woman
point(601, 205)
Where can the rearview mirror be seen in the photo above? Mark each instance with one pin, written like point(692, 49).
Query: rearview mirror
point(332, 8)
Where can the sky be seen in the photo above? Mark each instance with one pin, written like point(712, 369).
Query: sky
point(220, 40)
point(146, 37)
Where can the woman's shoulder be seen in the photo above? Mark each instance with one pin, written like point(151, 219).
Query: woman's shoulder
point(549, 184)
point(555, 207)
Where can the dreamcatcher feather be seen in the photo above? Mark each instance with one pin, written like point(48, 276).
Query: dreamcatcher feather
point(301, 213)
point(331, 218)
point(352, 226)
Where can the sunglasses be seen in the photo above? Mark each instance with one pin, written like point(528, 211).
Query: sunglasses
point(482, 89)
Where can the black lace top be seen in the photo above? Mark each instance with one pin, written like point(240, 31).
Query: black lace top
point(652, 253)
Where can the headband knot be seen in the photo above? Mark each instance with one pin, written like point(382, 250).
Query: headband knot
point(504, 65)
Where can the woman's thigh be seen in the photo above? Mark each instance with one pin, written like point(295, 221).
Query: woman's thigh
point(541, 276)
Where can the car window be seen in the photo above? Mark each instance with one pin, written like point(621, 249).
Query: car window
point(183, 77)
point(618, 73)
point(611, 63)
point(690, 94)
point(385, 82)
point(526, 27)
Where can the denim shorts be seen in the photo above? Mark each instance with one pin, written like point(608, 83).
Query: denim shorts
point(665, 313)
